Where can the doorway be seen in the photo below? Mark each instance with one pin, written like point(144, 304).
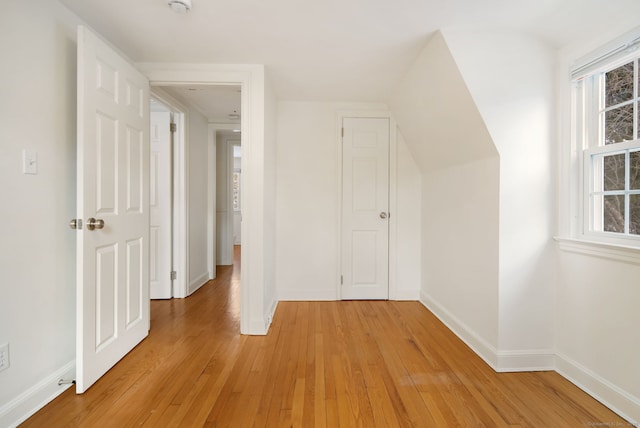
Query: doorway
point(254, 311)
point(167, 201)
point(212, 122)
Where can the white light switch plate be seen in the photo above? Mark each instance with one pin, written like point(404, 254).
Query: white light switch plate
point(29, 161)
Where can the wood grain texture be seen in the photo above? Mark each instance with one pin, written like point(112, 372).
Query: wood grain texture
point(323, 364)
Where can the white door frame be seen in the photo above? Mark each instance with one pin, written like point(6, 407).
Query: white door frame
point(393, 235)
point(180, 219)
point(251, 78)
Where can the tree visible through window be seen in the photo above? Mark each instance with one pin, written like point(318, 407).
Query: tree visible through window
point(616, 170)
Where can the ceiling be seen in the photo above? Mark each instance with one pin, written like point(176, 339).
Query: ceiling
point(219, 104)
point(332, 50)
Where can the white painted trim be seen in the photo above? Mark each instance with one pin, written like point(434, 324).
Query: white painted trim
point(198, 282)
point(603, 250)
point(615, 398)
point(308, 295)
point(212, 184)
point(393, 210)
point(251, 79)
point(259, 328)
point(180, 218)
point(406, 295)
point(29, 402)
point(525, 361)
point(499, 361)
point(483, 349)
point(393, 245)
point(271, 313)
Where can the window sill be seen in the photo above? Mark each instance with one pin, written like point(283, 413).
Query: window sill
point(621, 253)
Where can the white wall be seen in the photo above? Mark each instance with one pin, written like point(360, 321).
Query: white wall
point(597, 321)
point(198, 188)
point(308, 198)
point(37, 249)
point(408, 221)
point(597, 292)
point(460, 250)
point(511, 79)
point(457, 158)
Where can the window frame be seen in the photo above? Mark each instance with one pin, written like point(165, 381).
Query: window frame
point(588, 110)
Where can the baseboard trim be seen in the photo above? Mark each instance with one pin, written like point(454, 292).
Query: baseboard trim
point(29, 402)
point(483, 349)
point(307, 295)
point(405, 295)
point(198, 282)
point(616, 399)
point(525, 361)
point(272, 312)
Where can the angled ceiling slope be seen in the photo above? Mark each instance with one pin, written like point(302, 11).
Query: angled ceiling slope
point(436, 113)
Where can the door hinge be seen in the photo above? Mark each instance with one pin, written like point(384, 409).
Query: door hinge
point(173, 127)
point(342, 132)
point(174, 275)
point(341, 280)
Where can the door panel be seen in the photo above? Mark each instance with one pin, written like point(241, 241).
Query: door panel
point(365, 175)
point(113, 186)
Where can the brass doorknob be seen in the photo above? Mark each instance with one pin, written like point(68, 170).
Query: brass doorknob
point(93, 223)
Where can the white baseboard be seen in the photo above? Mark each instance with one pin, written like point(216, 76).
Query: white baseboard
point(272, 312)
point(480, 346)
point(307, 295)
point(500, 361)
point(618, 400)
point(26, 404)
point(258, 328)
point(198, 282)
point(404, 295)
point(534, 360)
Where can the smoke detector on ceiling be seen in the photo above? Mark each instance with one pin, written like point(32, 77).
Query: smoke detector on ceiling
point(180, 6)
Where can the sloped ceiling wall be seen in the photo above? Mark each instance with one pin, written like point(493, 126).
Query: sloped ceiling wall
point(476, 110)
point(436, 113)
point(511, 77)
point(444, 130)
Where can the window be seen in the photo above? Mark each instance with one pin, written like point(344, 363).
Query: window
point(607, 129)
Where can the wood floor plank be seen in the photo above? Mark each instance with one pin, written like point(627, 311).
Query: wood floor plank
point(323, 364)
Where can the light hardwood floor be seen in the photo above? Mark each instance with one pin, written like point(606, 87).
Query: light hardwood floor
point(323, 364)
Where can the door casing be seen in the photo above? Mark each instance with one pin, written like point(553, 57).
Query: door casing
point(254, 318)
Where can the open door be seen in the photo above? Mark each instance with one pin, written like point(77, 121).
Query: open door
point(113, 209)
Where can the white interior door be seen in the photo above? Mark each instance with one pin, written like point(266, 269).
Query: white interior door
point(113, 187)
point(160, 206)
point(365, 208)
